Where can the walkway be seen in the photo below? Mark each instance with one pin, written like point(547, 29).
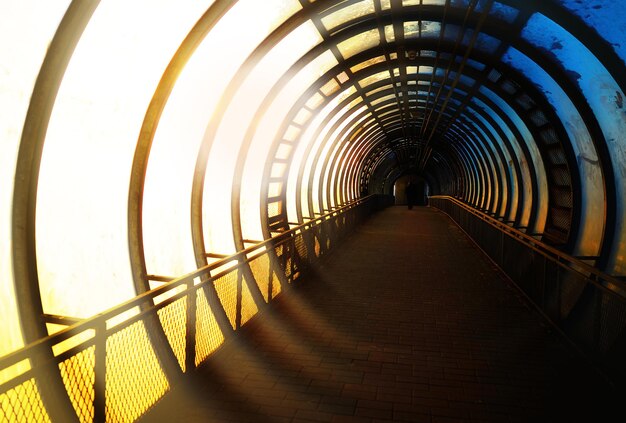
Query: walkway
point(406, 321)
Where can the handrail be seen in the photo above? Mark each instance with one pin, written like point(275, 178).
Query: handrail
point(601, 279)
point(582, 303)
point(99, 319)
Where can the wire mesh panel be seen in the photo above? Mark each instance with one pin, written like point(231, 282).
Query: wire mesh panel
point(493, 244)
point(552, 291)
point(134, 378)
point(276, 286)
point(573, 295)
point(612, 322)
point(520, 264)
point(208, 334)
point(572, 288)
point(275, 270)
point(173, 321)
point(116, 376)
point(23, 404)
point(612, 339)
point(301, 249)
point(582, 321)
point(226, 288)
point(287, 261)
point(248, 306)
point(78, 376)
point(260, 267)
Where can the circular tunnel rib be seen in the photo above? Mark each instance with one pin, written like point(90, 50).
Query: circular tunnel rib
point(142, 142)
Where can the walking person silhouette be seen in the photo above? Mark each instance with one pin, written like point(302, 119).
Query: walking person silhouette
point(411, 194)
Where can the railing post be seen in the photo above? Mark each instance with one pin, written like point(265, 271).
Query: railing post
point(190, 330)
point(99, 401)
point(597, 321)
point(542, 288)
point(557, 282)
point(239, 303)
point(501, 249)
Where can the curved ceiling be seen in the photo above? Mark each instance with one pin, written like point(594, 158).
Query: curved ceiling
point(144, 138)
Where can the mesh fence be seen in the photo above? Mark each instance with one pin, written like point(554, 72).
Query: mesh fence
point(248, 306)
point(173, 320)
point(208, 333)
point(117, 374)
point(23, 404)
point(576, 300)
point(134, 378)
point(226, 288)
point(262, 272)
point(78, 374)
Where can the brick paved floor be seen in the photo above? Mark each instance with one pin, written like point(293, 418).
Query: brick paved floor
point(406, 321)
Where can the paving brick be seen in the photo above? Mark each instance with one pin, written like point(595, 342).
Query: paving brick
point(312, 415)
point(406, 321)
point(350, 419)
point(374, 413)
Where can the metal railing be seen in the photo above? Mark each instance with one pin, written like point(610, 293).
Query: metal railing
point(109, 365)
point(585, 304)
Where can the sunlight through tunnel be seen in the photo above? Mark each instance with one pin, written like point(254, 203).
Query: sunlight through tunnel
point(143, 140)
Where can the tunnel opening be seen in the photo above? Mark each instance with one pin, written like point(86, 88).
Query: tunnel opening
point(421, 190)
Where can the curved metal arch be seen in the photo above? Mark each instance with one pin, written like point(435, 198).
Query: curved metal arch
point(349, 119)
point(361, 23)
point(499, 182)
point(470, 168)
point(494, 88)
point(509, 41)
point(502, 31)
point(476, 152)
point(436, 171)
point(342, 165)
point(457, 185)
point(357, 58)
point(564, 147)
point(499, 135)
point(507, 158)
point(483, 152)
point(540, 105)
point(25, 272)
point(316, 134)
point(526, 156)
point(356, 176)
point(559, 75)
point(587, 35)
point(363, 128)
point(138, 178)
point(370, 134)
point(381, 175)
point(479, 152)
point(246, 68)
point(382, 94)
point(495, 159)
point(270, 41)
point(465, 164)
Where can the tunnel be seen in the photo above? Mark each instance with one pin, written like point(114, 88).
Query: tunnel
point(169, 168)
